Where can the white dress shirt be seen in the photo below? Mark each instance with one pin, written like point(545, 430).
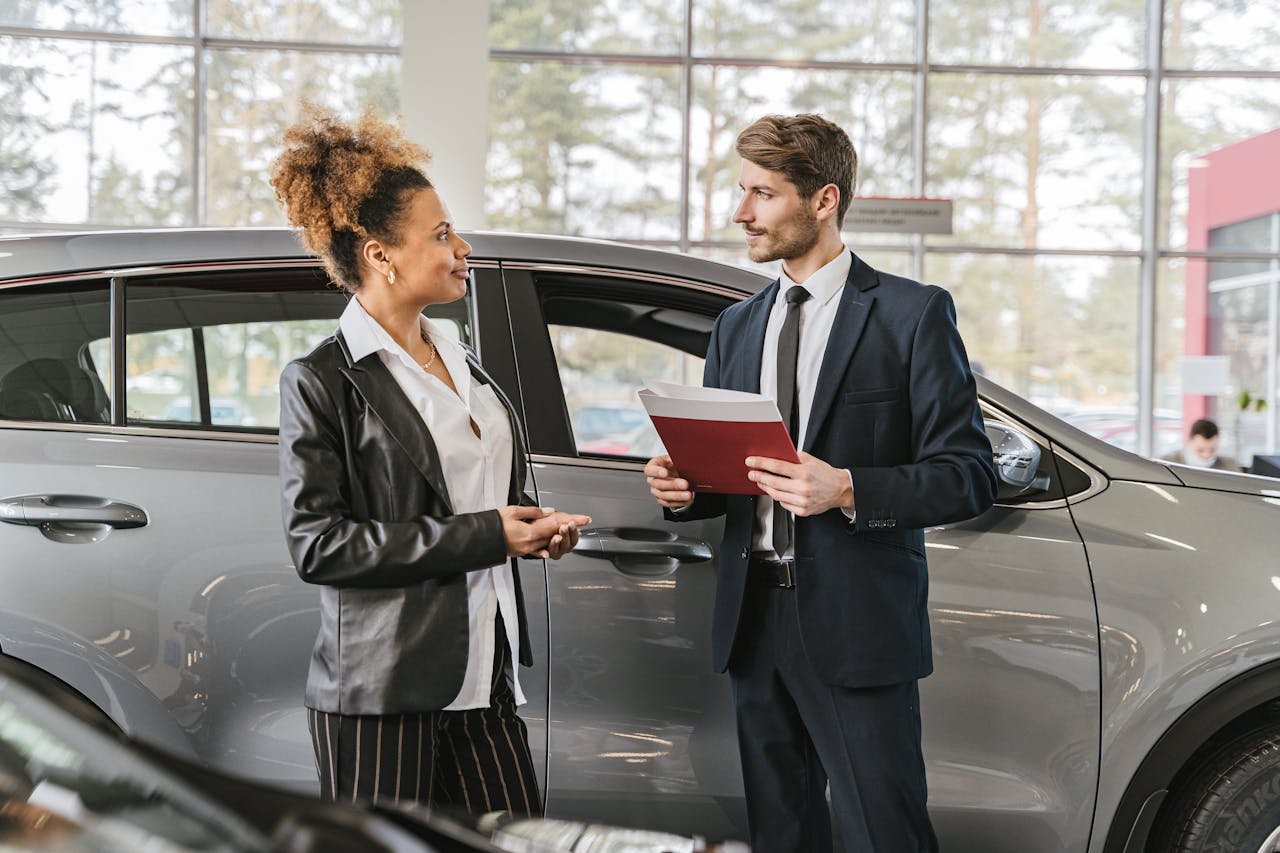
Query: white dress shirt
point(477, 472)
point(817, 315)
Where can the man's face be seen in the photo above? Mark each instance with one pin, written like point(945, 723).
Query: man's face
point(779, 224)
point(1204, 448)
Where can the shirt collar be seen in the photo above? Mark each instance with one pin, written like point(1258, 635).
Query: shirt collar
point(365, 335)
point(360, 330)
point(824, 284)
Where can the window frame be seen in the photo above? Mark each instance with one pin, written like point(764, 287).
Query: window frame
point(547, 416)
point(175, 276)
point(83, 356)
point(118, 283)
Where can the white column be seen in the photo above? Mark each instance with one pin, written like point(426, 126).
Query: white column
point(444, 97)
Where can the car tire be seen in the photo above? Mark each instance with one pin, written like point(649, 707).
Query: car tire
point(1230, 802)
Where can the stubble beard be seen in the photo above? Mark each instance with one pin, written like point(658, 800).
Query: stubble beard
point(790, 241)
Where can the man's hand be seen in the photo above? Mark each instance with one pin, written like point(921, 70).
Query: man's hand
point(665, 483)
point(540, 531)
point(809, 488)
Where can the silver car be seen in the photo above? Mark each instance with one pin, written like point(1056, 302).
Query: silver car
point(1106, 640)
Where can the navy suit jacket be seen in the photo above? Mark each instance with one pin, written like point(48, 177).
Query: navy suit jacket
point(896, 404)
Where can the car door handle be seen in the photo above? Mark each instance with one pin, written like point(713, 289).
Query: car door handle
point(612, 542)
point(40, 510)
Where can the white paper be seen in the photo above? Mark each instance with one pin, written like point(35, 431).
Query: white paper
point(669, 400)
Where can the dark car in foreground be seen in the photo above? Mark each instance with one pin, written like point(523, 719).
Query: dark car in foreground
point(71, 781)
point(1106, 642)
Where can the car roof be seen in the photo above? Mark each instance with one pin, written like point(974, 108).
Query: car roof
point(25, 257)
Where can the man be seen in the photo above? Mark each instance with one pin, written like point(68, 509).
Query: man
point(1202, 449)
point(820, 614)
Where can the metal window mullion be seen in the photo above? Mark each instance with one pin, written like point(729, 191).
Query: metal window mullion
point(1241, 282)
point(604, 58)
point(686, 129)
point(93, 35)
point(1221, 255)
point(299, 46)
point(919, 128)
point(199, 122)
point(1149, 271)
point(1273, 342)
point(186, 40)
point(1239, 74)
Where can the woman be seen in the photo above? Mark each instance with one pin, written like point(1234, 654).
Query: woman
point(402, 472)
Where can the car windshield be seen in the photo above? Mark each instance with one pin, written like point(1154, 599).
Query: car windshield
point(67, 786)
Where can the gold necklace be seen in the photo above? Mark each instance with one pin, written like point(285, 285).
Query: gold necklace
point(426, 340)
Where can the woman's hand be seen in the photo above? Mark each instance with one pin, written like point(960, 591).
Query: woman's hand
point(566, 537)
point(540, 531)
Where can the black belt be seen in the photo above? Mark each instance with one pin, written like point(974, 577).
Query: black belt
point(780, 573)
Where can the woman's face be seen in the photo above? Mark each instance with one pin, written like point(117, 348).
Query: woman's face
point(431, 260)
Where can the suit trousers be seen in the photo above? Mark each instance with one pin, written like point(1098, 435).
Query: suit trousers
point(796, 733)
point(477, 760)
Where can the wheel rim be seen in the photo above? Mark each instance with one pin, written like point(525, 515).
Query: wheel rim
point(1272, 844)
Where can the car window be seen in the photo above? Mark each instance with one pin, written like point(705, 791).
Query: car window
point(206, 350)
point(600, 372)
point(48, 370)
point(610, 338)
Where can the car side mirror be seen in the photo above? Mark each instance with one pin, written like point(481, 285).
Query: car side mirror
point(1017, 460)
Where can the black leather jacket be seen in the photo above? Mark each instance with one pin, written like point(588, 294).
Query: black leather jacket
point(368, 517)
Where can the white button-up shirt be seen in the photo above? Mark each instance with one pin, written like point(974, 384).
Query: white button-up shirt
point(477, 472)
point(817, 315)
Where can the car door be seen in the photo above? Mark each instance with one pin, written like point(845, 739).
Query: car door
point(191, 596)
point(195, 601)
point(640, 730)
point(1011, 713)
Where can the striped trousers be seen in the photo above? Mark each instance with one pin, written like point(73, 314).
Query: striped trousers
point(477, 760)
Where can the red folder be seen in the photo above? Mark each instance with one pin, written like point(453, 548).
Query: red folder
point(709, 433)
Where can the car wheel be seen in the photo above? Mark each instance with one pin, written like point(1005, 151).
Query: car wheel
point(1231, 802)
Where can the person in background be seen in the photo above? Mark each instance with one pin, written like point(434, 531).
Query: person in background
point(1201, 449)
point(402, 472)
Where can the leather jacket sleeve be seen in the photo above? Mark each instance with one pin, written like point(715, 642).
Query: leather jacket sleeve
point(327, 515)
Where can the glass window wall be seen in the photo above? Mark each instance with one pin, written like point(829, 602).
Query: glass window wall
point(1034, 118)
point(616, 118)
point(120, 113)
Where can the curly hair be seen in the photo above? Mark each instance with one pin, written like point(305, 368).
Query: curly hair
point(344, 183)
point(808, 149)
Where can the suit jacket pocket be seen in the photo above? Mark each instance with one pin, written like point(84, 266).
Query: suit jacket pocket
point(895, 543)
point(872, 395)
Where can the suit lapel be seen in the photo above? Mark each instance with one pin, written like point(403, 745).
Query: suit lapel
point(851, 319)
point(388, 403)
point(753, 342)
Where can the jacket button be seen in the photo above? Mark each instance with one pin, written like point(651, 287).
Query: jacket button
point(745, 553)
